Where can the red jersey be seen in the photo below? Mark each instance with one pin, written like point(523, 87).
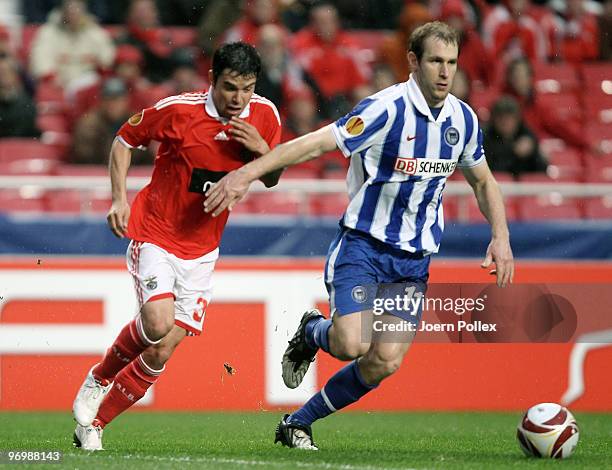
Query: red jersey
point(196, 151)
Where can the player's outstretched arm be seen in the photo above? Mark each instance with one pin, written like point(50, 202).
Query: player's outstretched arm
point(491, 204)
point(233, 186)
point(119, 213)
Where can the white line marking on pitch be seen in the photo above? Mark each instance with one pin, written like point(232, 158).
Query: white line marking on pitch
point(253, 463)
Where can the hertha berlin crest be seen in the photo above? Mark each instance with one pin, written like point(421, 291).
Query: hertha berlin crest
point(451, 136)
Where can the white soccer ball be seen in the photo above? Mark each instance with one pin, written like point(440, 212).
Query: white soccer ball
point(548, 430)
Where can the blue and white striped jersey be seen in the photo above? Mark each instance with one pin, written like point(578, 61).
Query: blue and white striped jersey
point(400, 159)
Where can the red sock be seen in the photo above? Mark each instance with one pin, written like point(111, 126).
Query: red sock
point(130, 386)
point(129, 344)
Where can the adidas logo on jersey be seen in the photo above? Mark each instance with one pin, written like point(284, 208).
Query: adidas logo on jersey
point(221, 136)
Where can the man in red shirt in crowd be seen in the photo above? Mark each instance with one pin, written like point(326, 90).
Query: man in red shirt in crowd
point(331, 57)
point(174, 244)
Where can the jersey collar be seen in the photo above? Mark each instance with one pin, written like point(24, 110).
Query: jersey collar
point(416, 97)
point(211, 109)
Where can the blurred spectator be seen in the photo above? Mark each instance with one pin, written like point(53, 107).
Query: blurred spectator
point(70, 45)
point(184, 76)
point(393, 49)
point(295, 13)
point(17, 110)
point(37, 11)
point(106, 11)
point(280, 76)
point(369, 14)
point(143, 30)
point(302, 116)
point(462, 87)
point(519, 84)
point(576, 36)
point(95, 131)
point(382, 77)
point(7, 50)
point(509, 31)
point(256, 13)
point(217, 18)
point(605, 31)
point(330, 56)
point(182, 12)
point(474, 58)
point(128, 67)
point(510, 146)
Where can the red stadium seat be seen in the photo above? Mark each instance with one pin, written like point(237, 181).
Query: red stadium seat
point(450, 208)
point(29, 166)
point(82, 170)
point(55, 122)
point(49, 98)
point(74, 201)
point(548, 206)
point(467, 210)
point(501, 177)
point(328, 205)
point(21, 200)
point(598, 109)
point(181, 36)
point(597, 78)
point(278, 204)
point(481, 102)
point(601, 135)
point(368, 42)
point(599, 168)
point(18, 148)
point(598, 208)
point(300, 172)
point(555, 78)
point(564, 105)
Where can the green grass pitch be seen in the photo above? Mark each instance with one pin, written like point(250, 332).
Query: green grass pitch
point(347, 441)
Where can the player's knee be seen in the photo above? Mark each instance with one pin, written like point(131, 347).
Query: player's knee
point(157, 356)
point(158, 326)
point(382, 363)
point(347, 350)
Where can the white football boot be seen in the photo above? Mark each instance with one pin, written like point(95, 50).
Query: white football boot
point(88, 437)
point(88, 400)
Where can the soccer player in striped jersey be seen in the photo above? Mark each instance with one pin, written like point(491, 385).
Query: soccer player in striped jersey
point(174, 244)
point(403, 143)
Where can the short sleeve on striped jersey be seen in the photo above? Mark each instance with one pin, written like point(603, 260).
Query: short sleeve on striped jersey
point(473, 153)
point(362, 127)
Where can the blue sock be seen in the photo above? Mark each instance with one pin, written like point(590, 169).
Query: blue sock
point(317, 333)
point(345, 387)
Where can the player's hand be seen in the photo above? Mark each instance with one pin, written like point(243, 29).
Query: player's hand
point(248, 135)
point(226, 193)
point(500, 253)
point(118, 217)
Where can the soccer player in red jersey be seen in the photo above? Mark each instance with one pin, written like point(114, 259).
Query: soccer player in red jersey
point(174, 243)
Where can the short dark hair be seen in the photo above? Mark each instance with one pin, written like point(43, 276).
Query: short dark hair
point(238, 57)
point(505, 105)
point(435, 29)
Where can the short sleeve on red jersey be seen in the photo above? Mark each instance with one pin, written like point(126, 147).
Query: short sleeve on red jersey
point(163, 122)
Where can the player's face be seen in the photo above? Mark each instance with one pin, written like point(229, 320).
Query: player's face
point(232, 93)
point(436, 70)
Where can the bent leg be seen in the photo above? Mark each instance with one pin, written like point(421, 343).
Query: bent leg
point(347, 385)
point(154, 321)
point(133, 381)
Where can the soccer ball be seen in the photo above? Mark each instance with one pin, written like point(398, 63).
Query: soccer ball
point(548, 430)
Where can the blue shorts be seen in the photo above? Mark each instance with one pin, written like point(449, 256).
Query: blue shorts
point(360, 270)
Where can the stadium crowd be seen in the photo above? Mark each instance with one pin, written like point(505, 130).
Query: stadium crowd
point(538, 73)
